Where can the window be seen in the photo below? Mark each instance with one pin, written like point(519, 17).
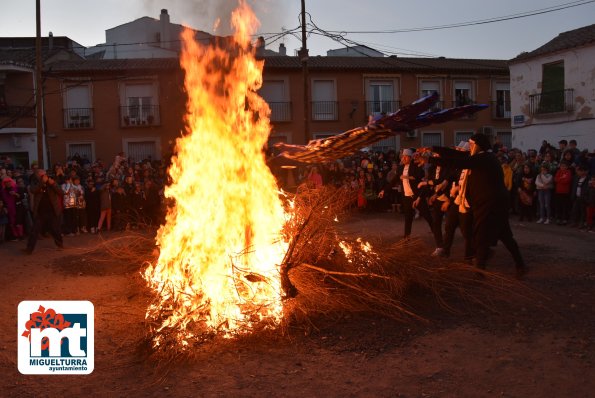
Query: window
point(82, 149)
point(385, 145)
point(139, 105)
point(276, 138)
point(463, 93)
point(553, 77)
point(142, 150)
point(18, 159)
point(380, 97)
point(275, 93)
point(139, 108)
point(502, 108)
point(324, 104)
point(462, 136)
point(505, 138)
point(321, 136)
point(428, 87)
point(431, 139)
point(552, 97)
point(77, 107)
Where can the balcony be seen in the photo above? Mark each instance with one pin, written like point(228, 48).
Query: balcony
point(139, 116)
point(437, 107)
point(500, 110)
point(280, 111)
point(78, 118)
point(381, 107)
point(560, 101)
point(17, 111)
point(325, 110)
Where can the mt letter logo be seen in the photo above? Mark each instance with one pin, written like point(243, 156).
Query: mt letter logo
point(56, 337)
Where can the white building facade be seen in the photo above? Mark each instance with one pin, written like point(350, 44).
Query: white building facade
point(144, 37)
point(552, 92)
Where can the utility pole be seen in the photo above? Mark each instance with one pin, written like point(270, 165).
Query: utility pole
point(38, 84)
point(303, 55)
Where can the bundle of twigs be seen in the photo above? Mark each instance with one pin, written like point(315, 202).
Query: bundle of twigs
point(326, 273)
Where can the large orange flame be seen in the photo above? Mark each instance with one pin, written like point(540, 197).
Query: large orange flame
point(221, 245)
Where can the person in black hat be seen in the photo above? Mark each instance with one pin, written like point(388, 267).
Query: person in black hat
point(487, 197)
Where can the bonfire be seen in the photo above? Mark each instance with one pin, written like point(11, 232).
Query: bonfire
point(236, 254)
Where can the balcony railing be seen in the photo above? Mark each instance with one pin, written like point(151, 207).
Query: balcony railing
point(325, 110)
point(280, 111)
point(500, 110)
point(381, 107)
point(438, 106)
point(78, 118)
point(456, 103)
point(144, 116)
point(17, 111)
point(552, 102)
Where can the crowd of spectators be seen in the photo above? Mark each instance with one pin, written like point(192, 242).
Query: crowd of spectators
point(549, 185)
point(96, 196)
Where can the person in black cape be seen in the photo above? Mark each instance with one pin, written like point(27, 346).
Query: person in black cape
point(487, 197)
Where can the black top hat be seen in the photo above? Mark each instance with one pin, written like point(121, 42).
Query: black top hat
point(482, 141)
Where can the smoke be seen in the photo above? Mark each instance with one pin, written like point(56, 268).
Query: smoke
point(274, 15)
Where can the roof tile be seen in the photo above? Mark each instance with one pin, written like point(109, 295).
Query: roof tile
point(565, 40)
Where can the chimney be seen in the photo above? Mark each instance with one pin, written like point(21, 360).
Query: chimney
point(260, 46)
point(51, 41)
point(165, 29)
point(282, 49)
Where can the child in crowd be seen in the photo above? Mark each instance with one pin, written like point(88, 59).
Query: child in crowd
point(563, 183)
point(69, 203)
point(544, 182)
point(527, 194)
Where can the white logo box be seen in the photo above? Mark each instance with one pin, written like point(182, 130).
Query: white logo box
point(78, 360)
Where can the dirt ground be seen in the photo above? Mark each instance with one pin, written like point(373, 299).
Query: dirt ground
point(542, 347)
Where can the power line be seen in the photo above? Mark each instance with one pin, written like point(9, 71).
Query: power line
point(348, 42)
point(471, 23)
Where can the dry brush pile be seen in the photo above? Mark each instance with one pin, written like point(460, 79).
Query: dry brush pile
point(325, 273)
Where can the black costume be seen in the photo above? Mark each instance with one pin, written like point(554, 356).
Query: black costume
point(417, 175)
point(487, 197)
point(46, 212)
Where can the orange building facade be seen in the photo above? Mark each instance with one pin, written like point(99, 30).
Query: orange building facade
point(98, 108)
point(345, 91)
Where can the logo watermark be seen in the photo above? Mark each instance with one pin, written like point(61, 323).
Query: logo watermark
point(56, 337)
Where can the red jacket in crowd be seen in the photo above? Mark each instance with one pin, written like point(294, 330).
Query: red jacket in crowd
point(563, 179)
